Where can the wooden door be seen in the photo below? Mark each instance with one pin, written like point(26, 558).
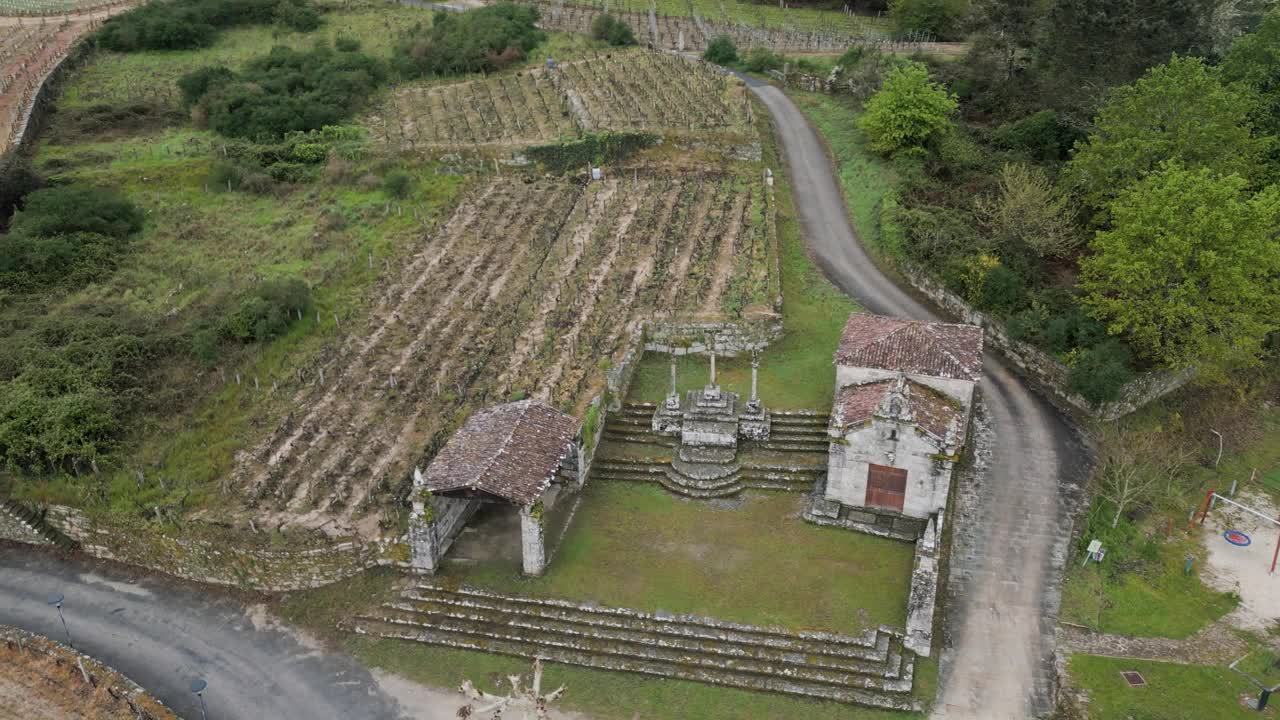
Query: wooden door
point(886, 487)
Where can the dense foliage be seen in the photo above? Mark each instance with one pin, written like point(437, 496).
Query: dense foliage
point(485, 39)
point(612, 30)
point(941, 19)
point(721, 51)
point(283, 91)
point(189, 24)
point(907, 111)
point(68, 234)
point(592, 149)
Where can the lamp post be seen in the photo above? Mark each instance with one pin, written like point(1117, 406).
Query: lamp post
point(56, 600)
point(197, 686)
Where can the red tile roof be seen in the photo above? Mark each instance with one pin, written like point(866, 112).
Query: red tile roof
point(510, 451)
point(930, 410)
point(912, 346)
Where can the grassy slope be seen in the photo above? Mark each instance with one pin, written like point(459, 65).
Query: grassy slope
point(636, 545)
point(1173, 692)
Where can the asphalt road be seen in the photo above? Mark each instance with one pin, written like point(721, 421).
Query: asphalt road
point(162, 634)
point(1008, 557)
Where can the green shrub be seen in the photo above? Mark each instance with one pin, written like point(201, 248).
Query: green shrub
point(346, 43)
point(17, 179)
point(74, 258)
point(1003, 291)
point(191, 24)
point(612, 30)
point(941, 18)
point(721, 51)
point(397, 184)
point(907, 111)
point(194, 85)
point(1073, 329)
point(77, 208)
point(267, 313)
point(1041, 136)
point(485, 39)
point(1101, 372)
point(761, 60)
point(285, 91)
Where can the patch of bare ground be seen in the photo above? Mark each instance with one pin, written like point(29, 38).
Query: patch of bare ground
point(528, 289)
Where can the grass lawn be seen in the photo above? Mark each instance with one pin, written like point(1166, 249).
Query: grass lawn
point(1173, 692)
point(636, 545)
point(1153, 599)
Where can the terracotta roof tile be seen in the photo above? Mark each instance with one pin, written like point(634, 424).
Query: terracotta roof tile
point(510, 451)
point(912, 346)
point(930, 410)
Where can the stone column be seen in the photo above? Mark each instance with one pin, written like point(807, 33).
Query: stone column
point(423, 548)
point(755, 371)
point(713, 367)
point(532, 544)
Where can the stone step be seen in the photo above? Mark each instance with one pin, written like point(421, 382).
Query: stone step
point(712, 485)
point(794, 445)
point(798, 657)
point(871, 644)
point(641, 439)
point(597, 659)
point(700, 493)
point(501, 625)
point(36, 522)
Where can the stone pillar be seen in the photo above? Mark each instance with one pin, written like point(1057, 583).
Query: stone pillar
point(713, 367)
point(423, 548)
point(755, 371)
point(532, 542)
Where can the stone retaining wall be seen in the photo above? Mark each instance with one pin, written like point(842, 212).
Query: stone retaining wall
point(1039, 366)
point(691, 338)
point(222, 556)
point(123, 695)
point(17, 529)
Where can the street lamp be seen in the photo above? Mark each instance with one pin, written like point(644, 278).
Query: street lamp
point(56, 601)
point(197, 687)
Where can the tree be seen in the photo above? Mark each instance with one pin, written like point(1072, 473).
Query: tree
point(1180, 111)
point(612, 30)
point(1254, 60)
point(721, 51)
point(907, 111)
point(940, 18)
point(1134, 467)
point(1091, 45)
point(1190, 269)
point(1028, 212)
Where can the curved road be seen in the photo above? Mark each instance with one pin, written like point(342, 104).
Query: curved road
point(1009, 549)
point(162, 634)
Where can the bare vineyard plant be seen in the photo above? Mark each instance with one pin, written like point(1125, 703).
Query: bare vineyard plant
point(634, 90)
point(524, 290)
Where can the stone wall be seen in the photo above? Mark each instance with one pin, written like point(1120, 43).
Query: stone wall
point(122, 696)
point(223, 556)
point(924, 589)
point(1039, 366)
point(15, 527)
point(728, 338)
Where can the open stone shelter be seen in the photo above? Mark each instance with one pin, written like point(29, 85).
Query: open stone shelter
point(520, 454)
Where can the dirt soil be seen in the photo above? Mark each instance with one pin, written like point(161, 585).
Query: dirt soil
point(1245, 570)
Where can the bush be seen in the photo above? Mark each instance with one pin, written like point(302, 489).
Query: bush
point(76, 258)
point(397, 184)
point(267, 313)
point(1003, 291)
point(721, 51)
point(612, 30)
point(285, 91)
point(761, 60)
point(481, 40)
point(941, 18)
point(191, 24)
point(908, 110)
point(17, 179)
point(1041, 136)
point(194, 85)
point(75, 209)
point(67, 380)
point(1102, 371)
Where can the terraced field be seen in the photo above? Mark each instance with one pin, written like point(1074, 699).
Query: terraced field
point(530, 288)
point(633, 90)
point(28, 53)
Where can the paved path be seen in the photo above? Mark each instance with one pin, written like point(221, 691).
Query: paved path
point(162, 636)
point(1007, 558)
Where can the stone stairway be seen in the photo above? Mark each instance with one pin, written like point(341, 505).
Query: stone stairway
point(872, 670)
point(746, 475)
point(633, 424)
point(34, 522)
